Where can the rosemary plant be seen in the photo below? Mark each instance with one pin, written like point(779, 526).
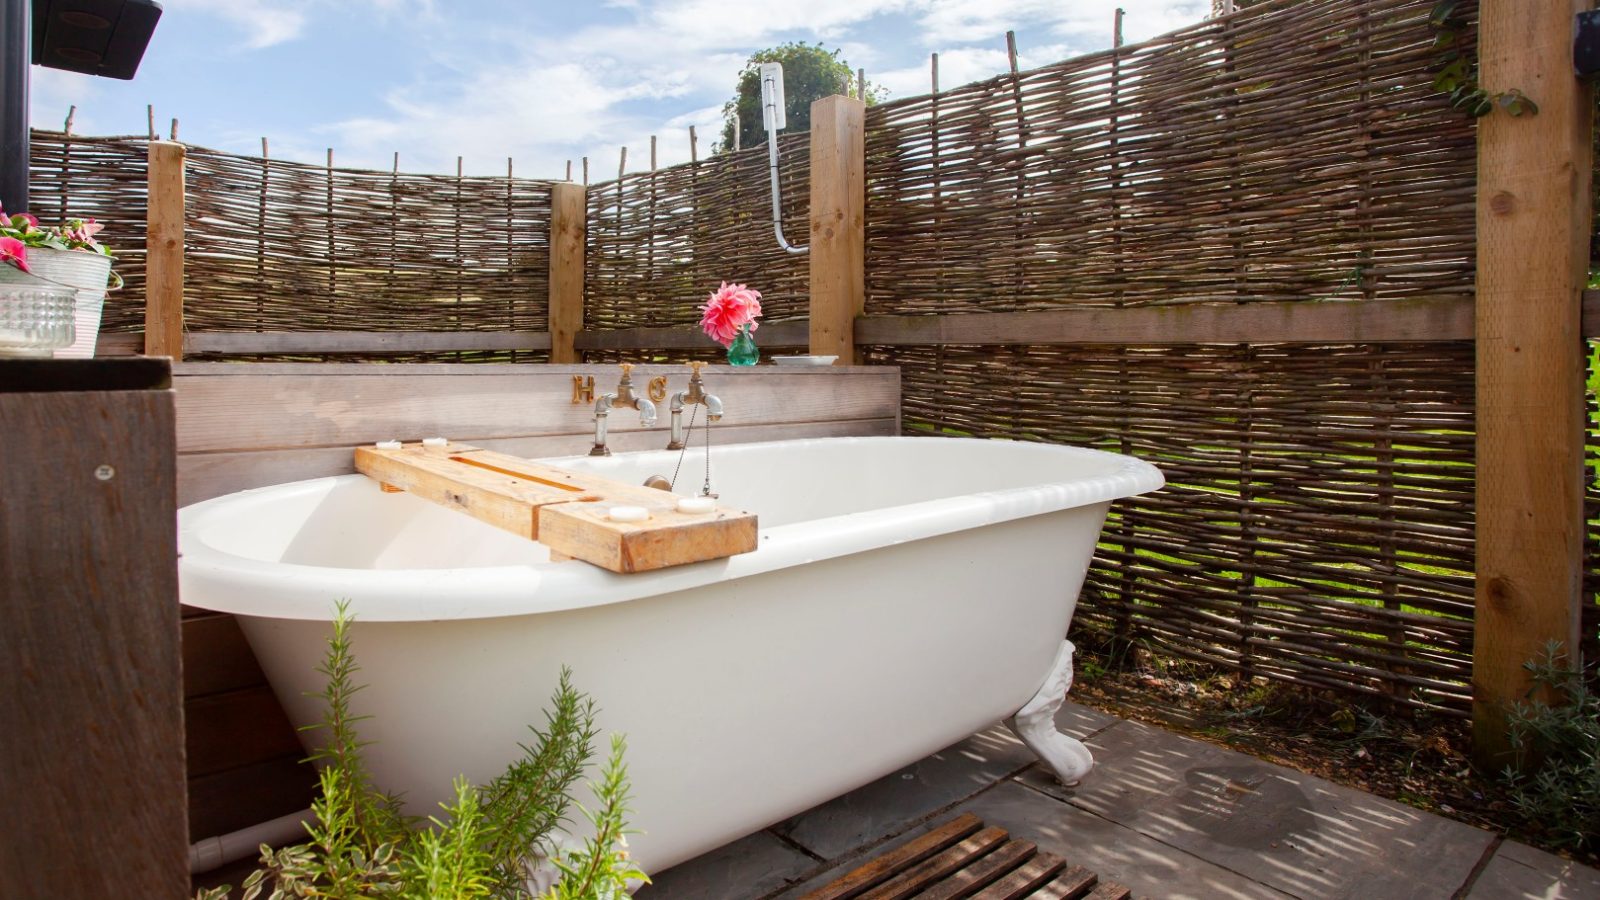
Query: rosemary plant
point(1555, 783)
point(482, 845)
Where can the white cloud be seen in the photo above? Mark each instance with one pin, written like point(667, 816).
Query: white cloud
point(951, 22)
point(266, 23)
point(53, 92)
point(263, 22)
point(654, 67)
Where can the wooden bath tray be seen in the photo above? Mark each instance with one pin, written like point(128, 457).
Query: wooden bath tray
point(566, 511)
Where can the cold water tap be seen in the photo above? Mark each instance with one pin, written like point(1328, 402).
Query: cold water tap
point(622, 398)
point(695, 395)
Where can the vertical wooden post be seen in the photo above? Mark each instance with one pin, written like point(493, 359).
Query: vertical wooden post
point(1533, 231)
point(163, 243)
point(838, 225)
point(568, 224)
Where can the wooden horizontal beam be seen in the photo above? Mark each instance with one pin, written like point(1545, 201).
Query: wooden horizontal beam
point(246, 342)
point(792, 333)
point(1423, 319)
point(1315, 322)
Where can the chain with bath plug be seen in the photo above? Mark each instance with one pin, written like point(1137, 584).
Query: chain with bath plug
point(696, 397)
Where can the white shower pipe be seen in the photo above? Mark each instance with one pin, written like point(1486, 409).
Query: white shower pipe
point(216, 852)
point(772, 116)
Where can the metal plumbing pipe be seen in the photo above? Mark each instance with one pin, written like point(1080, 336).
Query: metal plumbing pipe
point(15, 35)
point(777, 205)
point(216, 852)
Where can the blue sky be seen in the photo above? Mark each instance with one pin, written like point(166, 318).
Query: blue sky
point(541, 82)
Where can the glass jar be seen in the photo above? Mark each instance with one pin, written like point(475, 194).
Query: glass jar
point(36, 316)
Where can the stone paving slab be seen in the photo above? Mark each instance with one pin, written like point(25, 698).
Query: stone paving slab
point(1520, 872)
point(1295, 832)
point(1163, 814)
point(749, 867)
point(890, 804)
point(893, 802)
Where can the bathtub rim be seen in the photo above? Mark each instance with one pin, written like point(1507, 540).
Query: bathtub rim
point(241, 585)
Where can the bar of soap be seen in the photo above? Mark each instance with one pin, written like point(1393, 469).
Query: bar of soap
point(628, 514)
point(434, 442)
point(697, 506)
point(388, 445)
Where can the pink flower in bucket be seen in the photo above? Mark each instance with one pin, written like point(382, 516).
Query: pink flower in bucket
point(14, 252)
point(730, 307)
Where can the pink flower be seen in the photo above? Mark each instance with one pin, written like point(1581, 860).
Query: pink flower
point(32, 220)
point(729, 307)
point(15, 252)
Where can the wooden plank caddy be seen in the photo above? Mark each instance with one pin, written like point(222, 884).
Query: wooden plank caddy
point(566, 511)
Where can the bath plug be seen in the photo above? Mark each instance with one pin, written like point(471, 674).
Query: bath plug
point(628, 514)
point(434, 442)
point(697, 505)
point(388, 445)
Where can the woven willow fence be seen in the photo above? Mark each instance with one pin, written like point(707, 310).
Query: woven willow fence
point(101, 178)
point(660, 241)
point(1319, 524)
point(272, 245)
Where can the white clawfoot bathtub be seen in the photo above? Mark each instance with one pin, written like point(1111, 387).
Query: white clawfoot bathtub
point(907, 592)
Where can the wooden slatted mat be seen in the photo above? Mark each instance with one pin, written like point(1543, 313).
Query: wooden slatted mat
point(964, 858)
point(566, 511)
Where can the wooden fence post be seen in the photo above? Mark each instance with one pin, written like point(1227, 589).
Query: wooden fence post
point(163, 243)
point(1533, 253)
point(838, 225)
point(568, 225)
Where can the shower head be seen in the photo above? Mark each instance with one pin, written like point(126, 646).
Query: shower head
point(772, 118)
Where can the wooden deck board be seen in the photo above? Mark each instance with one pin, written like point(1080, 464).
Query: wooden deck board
point(963, 858)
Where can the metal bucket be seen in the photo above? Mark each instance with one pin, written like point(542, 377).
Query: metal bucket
point(85, 272)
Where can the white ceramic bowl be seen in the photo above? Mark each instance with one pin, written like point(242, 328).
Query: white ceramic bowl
point(804, 360)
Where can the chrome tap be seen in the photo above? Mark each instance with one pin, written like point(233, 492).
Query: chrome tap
point(622, 398)
point(696, 394)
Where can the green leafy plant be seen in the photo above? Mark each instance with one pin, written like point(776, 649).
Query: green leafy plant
point(481, 846)
point(1555, 782)
point(809, 73)
point(600, 870)
point(1457, 74)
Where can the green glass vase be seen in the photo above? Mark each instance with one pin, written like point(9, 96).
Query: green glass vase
point(743, 352)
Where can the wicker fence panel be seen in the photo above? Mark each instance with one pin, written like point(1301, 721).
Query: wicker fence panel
point(660, 241)
point(1295, 152)
point(1317, 524)
point(272, 245)
point(101, 178)
point(283, 246)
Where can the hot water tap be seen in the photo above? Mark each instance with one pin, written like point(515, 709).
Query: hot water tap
point(622, 398)
point(695, 396)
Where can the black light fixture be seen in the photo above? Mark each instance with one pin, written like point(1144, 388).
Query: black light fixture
point(95, 37)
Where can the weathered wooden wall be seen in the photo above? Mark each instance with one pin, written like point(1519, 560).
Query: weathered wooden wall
point(245, 425)
point(91, 775)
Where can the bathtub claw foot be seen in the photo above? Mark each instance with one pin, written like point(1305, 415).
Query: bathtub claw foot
point(1035, 724)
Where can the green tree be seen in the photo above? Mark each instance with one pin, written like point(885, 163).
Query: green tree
point(809, 73)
